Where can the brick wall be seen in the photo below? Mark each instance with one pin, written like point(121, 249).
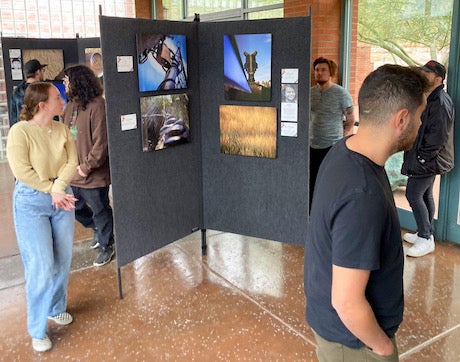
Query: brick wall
point(143, 9)
point(326, 37)
point(326, 20)
point(360, 63)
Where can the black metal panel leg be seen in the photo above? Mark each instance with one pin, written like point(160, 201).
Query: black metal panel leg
point(203, 242)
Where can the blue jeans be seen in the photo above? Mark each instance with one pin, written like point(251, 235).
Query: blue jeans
point(93, 210)
point(45, 241)
point(419, 193)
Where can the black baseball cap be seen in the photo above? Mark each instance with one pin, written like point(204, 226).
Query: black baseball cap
point(435, 67)
point(33, 65)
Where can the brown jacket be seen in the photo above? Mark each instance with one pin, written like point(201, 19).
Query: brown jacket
point(90, 128)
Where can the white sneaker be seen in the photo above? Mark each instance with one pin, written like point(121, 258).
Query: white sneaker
point(421, 247)
point(42, 345)
point(62, 319)
point(410, 238)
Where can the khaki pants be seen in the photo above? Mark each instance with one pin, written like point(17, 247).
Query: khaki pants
point(336, 352)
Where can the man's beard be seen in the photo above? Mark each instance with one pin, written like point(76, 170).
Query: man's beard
point(321, 82)
point(407, 139)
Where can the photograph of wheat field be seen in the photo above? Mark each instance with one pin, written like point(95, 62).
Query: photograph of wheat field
point(248, 131)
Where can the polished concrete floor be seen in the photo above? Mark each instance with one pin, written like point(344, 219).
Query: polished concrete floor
point(243, 301)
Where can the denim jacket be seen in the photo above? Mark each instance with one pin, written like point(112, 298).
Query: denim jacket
point(17, 100)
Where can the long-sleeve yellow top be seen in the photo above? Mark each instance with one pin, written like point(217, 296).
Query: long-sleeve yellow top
point(43, 158)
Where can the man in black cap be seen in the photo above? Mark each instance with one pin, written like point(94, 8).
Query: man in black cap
point(431, 155)
point(33, 72)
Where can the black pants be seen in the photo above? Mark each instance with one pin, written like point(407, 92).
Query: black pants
point(93, 210)
point(419, 193)
point(316, 157)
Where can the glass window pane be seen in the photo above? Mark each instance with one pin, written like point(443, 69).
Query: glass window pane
point(172, 10)
point(411, 32)
point(257, 3)
point(211, 6)
point(406, 32)
point(267, 14)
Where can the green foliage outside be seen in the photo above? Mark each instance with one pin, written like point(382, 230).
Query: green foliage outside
point(397, 25)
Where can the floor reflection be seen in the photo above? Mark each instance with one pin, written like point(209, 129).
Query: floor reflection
point(243, 301)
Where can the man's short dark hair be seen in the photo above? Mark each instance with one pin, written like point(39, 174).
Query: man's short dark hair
point(389, 89)
point(330, 63)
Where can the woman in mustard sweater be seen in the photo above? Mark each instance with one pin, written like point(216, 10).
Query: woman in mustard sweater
point(43, 158)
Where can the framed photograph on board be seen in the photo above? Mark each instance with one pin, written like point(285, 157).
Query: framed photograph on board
point(161, 62)
point(165, 121)
point(93, 59)
point(247, 67)
point(248, 131)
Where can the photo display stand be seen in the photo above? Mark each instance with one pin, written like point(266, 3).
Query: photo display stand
point(163, 195)
point(57, 53)
point(256, 196)
point(157, 195)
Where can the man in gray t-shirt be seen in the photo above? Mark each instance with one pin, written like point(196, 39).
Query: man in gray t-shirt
point(331, 115)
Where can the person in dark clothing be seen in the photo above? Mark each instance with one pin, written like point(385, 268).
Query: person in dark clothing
point(33, 72)
point(353, 254)
point(432, 154)
point(85, 116)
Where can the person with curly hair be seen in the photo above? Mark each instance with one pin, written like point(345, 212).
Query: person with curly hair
point(85, 116)
point(43, 159)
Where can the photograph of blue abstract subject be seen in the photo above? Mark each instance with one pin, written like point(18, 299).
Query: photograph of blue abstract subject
point(247, 67)
point(162, 62)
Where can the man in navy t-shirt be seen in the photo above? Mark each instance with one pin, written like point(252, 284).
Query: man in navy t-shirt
point(354, 256)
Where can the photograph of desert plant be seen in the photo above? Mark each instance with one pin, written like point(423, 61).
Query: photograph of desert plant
point(248, 131)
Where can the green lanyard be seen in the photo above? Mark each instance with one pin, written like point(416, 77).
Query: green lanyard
point(73, 126)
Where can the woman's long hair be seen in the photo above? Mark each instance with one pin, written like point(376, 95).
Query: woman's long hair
point(84, 86)
point(35, 93)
